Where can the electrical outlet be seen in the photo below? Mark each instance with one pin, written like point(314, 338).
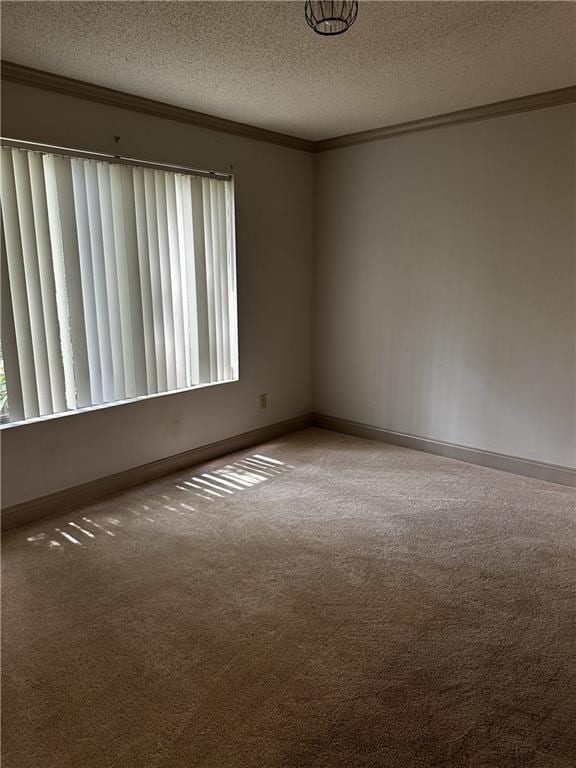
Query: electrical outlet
point(263, 401)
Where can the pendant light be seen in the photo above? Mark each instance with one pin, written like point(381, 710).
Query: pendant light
point(331, 17)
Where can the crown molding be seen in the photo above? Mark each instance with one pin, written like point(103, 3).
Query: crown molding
point(37, 78)
point(474, 114)
point(17, 73)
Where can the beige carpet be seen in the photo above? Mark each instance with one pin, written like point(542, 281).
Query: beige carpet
point(356, 605)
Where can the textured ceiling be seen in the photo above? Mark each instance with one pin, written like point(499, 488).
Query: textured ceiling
point(259, 63)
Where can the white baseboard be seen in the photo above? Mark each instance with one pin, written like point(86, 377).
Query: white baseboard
point(72, 498)
point(536, 469)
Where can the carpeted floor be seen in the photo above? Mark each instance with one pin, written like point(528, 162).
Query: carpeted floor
point(355, 605)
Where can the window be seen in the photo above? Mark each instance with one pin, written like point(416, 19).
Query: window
point(118, 281)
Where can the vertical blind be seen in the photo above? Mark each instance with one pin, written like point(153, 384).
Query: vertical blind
point(118, 281)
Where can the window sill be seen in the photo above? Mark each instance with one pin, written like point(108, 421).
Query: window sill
point(116, 404)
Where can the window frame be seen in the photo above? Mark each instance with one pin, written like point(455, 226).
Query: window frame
point(118, 159)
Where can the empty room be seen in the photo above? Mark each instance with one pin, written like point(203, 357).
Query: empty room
point(288, 384)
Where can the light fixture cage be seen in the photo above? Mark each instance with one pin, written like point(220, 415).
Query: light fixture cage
point(331, 17)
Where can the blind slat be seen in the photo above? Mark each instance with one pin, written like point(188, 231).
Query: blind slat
point(32, 277)
point(210, 278)
point(16, 276)
point(183, 256)
point(133, 272)
point(175, 280)
point(232, 292)
point(165, 279)
point(47, 283)
point(56, 246)
point(122, 279)
point(217, 279)
point(145, 279)
point(12, 372)
point(156, 279)
point(87, 279)
point(202, 310)
point(64, 199)
point(188, 262)
point(99, 275)
point(111, 282)
point(223, 264)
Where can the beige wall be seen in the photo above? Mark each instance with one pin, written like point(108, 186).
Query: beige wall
point(274, 218)
point(445, 285)
point(444, 302)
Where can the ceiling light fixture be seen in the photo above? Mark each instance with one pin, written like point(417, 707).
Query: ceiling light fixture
point(331, 18)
